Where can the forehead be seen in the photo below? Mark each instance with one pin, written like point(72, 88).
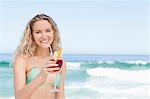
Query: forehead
point(41, 24)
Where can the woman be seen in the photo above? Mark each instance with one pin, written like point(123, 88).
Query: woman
point(33, 77)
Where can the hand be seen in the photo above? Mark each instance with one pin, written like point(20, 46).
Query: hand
point(52, 66)
point(49, 68)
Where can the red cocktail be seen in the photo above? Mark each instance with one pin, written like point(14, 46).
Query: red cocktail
point(59, 62)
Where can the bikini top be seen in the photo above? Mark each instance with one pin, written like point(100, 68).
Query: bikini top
point(35, 71)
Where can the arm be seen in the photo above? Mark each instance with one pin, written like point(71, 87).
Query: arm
point(23, 91)
point(61, 95)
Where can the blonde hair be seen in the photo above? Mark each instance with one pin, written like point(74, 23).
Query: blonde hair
point(27, 45)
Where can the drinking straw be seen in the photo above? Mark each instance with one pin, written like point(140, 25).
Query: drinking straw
point(51, 52)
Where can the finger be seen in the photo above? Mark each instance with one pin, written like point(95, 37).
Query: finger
point(51, 62)
point(48, 63)
point(51, 65)
point(52, 69)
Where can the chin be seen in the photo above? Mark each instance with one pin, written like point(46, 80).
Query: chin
point(44, 46)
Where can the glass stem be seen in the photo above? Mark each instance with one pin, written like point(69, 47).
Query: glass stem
point(55, 80)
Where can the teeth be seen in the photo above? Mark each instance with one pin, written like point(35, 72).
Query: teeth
point(44, 41)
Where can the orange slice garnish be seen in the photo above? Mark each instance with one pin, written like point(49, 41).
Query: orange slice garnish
point(59, 52)
point(55, 55)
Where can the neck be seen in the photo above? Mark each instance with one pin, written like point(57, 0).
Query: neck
point(43, 52)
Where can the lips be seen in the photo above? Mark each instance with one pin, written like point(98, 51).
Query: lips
point(44, 40)
point(45, 43)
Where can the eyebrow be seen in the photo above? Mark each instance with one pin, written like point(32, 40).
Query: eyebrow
point(45, 29)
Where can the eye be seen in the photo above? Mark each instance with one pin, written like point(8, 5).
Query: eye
point(48, 30)
point(37, 32)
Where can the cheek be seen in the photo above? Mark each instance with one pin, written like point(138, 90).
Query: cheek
point(36, 38)
point(52, 37)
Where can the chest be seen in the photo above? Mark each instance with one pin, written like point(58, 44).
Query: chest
point(35, 62)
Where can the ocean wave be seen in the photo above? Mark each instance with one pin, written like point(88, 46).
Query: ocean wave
point(113, 73)
point(73, 65)
point(108, 62)
point(4, 62)
point(127, 65)
point(138, 90)
point(7, 97)
point(127, 62)
point(137, 62)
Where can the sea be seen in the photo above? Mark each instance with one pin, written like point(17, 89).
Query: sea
point(93, 76)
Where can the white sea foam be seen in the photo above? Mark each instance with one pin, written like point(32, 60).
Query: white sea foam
point(138, 90)
point(135, 76)
point(73, 65)
point(113, 90)
point(128, 62)
point(137, 62)
point(108, 62)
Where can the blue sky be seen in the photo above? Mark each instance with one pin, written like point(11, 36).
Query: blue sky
point(87, 26)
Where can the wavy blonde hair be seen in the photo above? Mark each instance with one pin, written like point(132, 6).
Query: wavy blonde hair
point(27, 45)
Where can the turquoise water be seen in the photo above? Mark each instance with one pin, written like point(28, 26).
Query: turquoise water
point(94, 77)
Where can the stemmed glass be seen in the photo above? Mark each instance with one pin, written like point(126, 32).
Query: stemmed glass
point(59, 62)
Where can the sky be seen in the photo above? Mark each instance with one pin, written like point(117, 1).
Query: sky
point(118, 27)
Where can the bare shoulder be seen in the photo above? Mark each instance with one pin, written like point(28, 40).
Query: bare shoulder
point(20, 61)
point(20, 58)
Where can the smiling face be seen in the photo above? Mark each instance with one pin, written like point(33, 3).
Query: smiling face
point(42, 33)
point(39, 32)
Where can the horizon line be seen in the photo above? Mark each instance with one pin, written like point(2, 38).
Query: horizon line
point(98, 54)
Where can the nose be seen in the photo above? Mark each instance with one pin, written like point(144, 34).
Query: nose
point(44, 35)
